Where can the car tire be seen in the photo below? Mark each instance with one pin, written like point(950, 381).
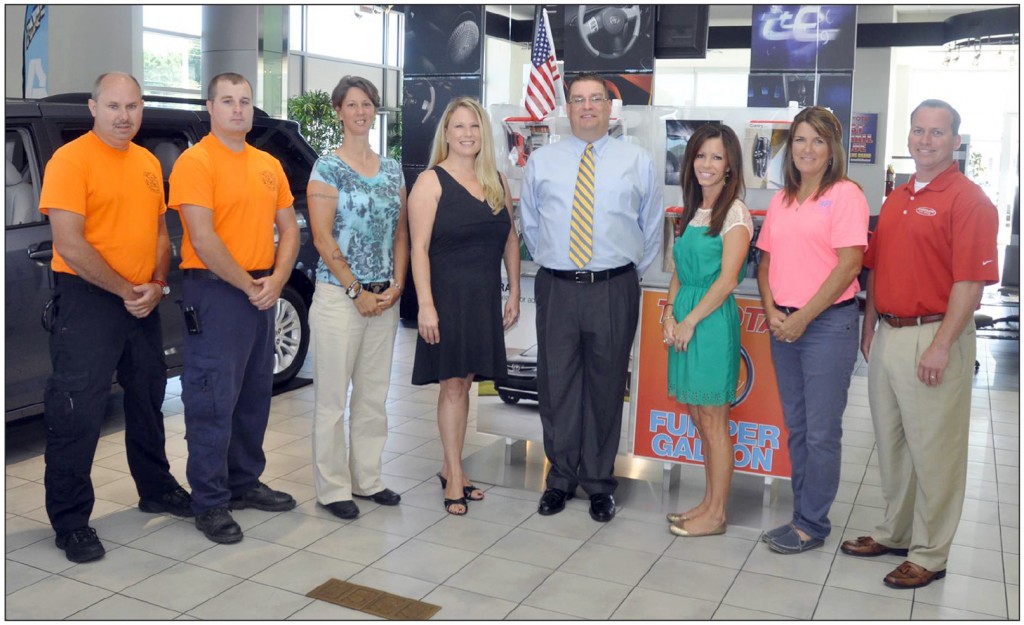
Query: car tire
point(508, 399)
point(291, 335)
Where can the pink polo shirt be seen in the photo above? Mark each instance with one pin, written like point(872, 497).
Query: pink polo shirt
point(802, 240)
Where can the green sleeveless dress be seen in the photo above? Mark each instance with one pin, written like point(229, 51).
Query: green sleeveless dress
point(706, 374)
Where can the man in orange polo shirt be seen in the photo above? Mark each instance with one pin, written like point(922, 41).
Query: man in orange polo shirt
point(933, 251)
point(111, 252)
point(230, 196)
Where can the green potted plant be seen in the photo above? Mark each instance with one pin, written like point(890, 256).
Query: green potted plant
point(318, 122)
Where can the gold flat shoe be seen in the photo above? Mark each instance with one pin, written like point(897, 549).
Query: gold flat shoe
point(676, 517)
point(680, 530)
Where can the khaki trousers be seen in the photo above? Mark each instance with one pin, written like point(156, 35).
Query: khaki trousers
point(921, 434)
point(349, 348)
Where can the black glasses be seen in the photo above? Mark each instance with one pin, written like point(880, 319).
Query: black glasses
point(594, 99)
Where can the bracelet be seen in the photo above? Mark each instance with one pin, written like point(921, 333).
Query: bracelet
point(160, 282)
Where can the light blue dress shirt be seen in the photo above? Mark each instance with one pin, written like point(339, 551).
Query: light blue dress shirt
point(627, 204)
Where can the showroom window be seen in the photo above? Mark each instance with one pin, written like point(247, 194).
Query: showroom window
point(171, 51)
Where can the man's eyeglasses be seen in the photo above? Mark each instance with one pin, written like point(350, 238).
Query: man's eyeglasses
point(594, 99)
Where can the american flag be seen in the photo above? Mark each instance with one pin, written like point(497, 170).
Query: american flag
point(542, 90)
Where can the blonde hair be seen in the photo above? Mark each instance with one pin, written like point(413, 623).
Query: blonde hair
point(486, 167)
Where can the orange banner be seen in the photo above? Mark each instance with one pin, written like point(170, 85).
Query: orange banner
point(663, 429)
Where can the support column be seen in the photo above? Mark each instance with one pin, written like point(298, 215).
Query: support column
point(252, 41)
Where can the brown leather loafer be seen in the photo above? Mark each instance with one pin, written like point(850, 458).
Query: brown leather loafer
point(866, 547)
point(909, 575)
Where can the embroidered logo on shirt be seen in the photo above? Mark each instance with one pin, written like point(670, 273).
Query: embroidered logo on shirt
point(924, 211)
point(152, 182)
point(986, 262)
point(823, 203)
point(268, 179)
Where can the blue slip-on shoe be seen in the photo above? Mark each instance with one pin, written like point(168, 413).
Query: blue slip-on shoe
point(790, 543)
point(775, 533)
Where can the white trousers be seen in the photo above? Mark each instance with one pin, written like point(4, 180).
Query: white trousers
point(349, 348)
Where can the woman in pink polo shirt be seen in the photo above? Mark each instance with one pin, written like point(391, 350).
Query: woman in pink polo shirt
point(812, 243)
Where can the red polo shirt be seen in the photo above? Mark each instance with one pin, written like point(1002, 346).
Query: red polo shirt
point(929, 239)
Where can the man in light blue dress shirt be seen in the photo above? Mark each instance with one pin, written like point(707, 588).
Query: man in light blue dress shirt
point(587, 316)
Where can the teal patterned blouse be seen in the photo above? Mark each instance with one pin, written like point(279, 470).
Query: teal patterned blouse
point(365, 221)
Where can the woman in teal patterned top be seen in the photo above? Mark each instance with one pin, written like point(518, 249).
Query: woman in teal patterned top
point(358, 217)
point(701, 324)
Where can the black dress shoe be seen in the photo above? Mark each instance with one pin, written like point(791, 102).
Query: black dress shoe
point(177, 502)
point(602, 507)
point(264, 498)
point(386, 497)
point(343, 509)
point(218, 526)
point(81, 545)
point(553, 501)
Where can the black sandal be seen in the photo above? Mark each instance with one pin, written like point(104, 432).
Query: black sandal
point(461, 501)
point(467, 491)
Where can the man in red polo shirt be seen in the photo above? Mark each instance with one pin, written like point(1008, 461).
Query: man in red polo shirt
point(933, 251)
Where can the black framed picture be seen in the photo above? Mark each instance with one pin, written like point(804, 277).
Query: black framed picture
point(442, 40)
point(609, 38)
point(681, 31)
point(424, 103)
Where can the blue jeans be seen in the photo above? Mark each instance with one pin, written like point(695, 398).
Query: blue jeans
point(813, 373)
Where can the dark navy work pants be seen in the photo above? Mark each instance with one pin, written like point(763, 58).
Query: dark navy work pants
point(226, 388)
point(93, 335)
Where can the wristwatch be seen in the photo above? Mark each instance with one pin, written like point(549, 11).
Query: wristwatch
point(354, 289)
point(164, 289)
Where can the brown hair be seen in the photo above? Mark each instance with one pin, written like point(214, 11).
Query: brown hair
point(828, 128)
point(693, 193)
point(347, 82)
point(585, 76)
point(231, 77)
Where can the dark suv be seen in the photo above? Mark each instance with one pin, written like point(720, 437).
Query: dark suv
point(34, 130)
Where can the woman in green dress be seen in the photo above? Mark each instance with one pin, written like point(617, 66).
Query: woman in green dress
point(701, 324)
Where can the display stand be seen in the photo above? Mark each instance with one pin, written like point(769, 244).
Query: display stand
point(515, 138)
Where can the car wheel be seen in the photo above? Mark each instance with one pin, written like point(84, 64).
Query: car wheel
point(291, 335)
point(508, 399)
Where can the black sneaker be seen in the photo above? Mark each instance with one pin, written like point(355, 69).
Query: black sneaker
point(81, 545)
point(264, 498)
point(177, 502)
point(218, 526)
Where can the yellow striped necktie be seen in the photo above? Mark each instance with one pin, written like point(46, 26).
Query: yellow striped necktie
point(581, 226)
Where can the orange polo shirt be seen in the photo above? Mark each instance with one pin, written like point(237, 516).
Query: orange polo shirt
point(243, 189)
point(121, 195)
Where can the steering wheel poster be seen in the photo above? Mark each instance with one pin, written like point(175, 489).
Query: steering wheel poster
point(609, 38)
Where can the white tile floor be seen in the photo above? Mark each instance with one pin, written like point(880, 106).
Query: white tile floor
point(503, 561)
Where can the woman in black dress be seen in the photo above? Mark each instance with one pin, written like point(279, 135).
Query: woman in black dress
point(460, 221)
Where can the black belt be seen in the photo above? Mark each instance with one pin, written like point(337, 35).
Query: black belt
point(376, 287)
point(70, 279)
point(588, 277)
point(206, 274)
point(789, 310)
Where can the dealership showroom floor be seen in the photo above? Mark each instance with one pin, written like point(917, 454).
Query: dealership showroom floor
point(503, 560)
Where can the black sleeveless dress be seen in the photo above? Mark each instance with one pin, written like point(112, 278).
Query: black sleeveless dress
point(466, 249)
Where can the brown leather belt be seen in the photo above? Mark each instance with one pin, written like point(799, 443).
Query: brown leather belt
point(903, 322)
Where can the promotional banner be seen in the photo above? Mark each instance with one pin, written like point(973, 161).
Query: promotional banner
point(36, 51)
point(664, 430)
point(863, 131)
point(802, 38)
